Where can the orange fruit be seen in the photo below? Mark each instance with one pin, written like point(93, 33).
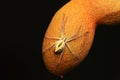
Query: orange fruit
point(78, 18)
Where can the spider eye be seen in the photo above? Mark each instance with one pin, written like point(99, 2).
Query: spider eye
point(59, 46)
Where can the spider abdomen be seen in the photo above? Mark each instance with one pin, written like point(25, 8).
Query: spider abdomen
point(59, 46)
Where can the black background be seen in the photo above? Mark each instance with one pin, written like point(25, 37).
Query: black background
point(21, 41)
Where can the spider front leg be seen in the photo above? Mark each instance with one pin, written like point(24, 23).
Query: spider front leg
point(53, 38)
point(75, 34)
point(74, 38)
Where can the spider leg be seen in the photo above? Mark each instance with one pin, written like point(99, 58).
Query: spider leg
point(82, 35)
point(63, 25)
point(49, 47)
point(71, 50)
point(53, 38)
point(74, 38)
point(59, 60)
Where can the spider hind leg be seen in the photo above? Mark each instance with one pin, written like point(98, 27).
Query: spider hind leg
point(59, 60)
point(72, 53)
point(48, 47)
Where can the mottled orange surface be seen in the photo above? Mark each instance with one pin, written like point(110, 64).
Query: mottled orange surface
point(79, 13)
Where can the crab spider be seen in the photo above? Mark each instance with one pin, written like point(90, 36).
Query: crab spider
point(62, 41)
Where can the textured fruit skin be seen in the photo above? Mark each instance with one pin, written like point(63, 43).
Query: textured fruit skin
point(80, 46)
point(77, 16)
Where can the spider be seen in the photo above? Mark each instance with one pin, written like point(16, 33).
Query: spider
point(61, 42)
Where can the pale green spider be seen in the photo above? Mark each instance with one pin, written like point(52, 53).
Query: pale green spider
point(61, 42)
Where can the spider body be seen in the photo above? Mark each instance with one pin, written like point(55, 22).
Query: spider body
point(63, 41)
point(60, 44)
